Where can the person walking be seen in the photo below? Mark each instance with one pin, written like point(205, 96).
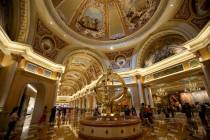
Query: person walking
point(13, 118)
point(52, 116)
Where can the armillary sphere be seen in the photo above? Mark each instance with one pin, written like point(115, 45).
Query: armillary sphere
point(110, 89)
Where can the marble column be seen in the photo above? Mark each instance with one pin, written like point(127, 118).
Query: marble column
point(206, 71)
point(140, 88)
point(150, 97)
point(94, 102)
point(146, 96)
point(7, 74)
point(135, 97)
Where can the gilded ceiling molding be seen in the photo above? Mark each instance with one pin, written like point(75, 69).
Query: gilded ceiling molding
point(201, 40)
point(200, 10)
point(81, 79)
point(81, 65)
point(61, 28)
point(46, 42)
point(24, 20)
point(74, 83)
point(200, 22)
point(75, 70)
point(184, 11)
point(151, 39)
point(94, 56)
point(90, 19)
point(195, 12)
point(10, 47)
point(120, 59)
point(57, 2)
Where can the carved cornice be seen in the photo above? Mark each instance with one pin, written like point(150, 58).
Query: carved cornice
point(17, 57)
point(9, 47)
point(24, 19)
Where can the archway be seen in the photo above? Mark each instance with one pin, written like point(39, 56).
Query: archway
point(82, 67)
point(31, 104)
point(161, 46)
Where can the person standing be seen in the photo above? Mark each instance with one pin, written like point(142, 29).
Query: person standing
point(150, 114)
point(52, 115)
point(202, 115)
point(133, 111)
point(44, 116)
point(59, 118)
point(171, 107)
point(142, 112)
point(64, 115)
point(126, 111)
point(13, 118)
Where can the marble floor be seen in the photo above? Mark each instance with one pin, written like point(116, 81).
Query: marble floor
point(162, 129)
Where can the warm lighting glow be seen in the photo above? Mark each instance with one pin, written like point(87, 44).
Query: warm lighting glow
point(27, 52)
point(32, 88)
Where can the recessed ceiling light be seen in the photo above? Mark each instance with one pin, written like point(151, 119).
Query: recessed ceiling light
point(111, 48)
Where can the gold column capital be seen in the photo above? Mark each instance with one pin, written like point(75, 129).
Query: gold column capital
point(198, 54)
point(17, 57)
point(138, 76)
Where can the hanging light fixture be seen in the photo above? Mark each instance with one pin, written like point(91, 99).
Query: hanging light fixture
point(191, 87)
point(161, 92)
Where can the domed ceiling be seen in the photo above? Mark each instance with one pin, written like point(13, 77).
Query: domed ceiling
point(105, 19)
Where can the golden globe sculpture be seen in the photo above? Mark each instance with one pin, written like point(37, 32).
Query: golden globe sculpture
point(110, 91)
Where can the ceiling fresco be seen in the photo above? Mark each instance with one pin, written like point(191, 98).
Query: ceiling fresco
point(162, 48)
point(105, 19)
point(120, 60)
point(47, 43)
point(195, 12)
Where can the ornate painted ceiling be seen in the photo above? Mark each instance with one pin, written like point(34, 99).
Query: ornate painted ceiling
point(105, 19)
point(163, 47)
point(81, 69)
point(121, 31)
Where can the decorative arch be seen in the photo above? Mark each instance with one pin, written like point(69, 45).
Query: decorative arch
point(82, 67)
point(169, 43)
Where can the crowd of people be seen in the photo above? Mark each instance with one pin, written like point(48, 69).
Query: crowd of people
point(61, 115)
point(58, 116)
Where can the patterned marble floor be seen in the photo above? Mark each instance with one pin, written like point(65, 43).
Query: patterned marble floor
point(162, 129)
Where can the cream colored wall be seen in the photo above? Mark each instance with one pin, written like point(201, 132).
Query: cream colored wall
point(1, 56)
point(45, 96)
point(7, 73)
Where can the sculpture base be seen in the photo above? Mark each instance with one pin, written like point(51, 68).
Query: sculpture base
point(111, 129)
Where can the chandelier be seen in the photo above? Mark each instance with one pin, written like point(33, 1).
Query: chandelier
point(191, 87)
point(161, 92)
